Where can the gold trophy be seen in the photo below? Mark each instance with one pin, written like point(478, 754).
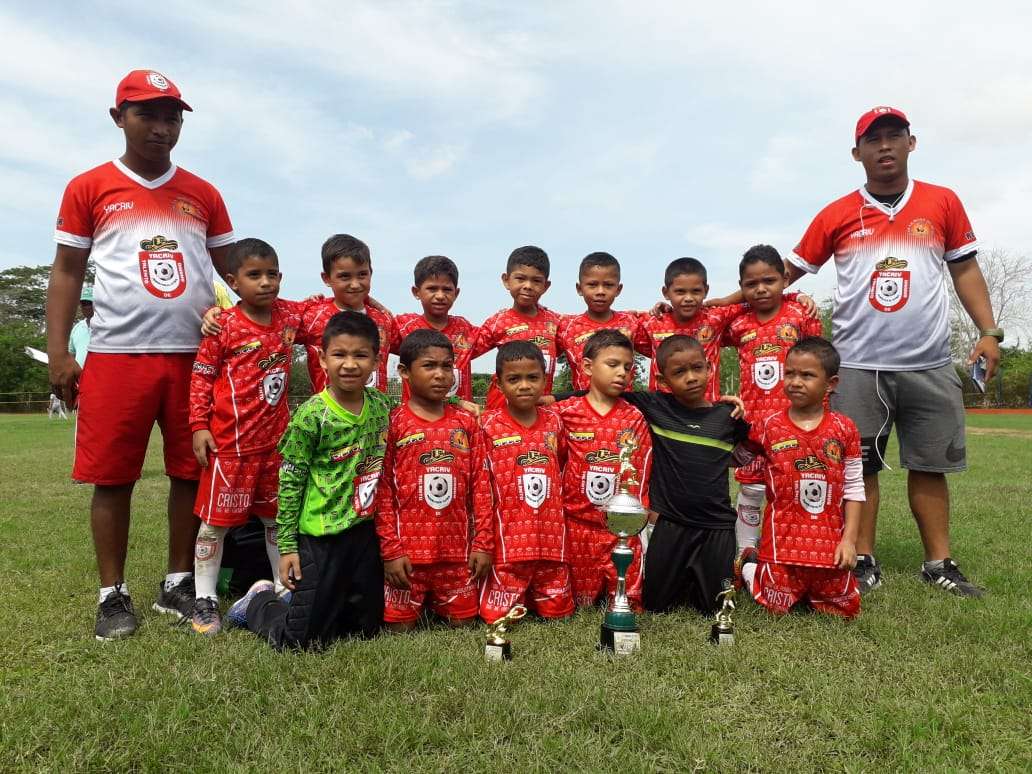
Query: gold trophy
point(497, 648)
point(625, 518)
point(723, 631)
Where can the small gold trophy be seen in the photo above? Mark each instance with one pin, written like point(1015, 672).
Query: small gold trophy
point(723, 631)
point(497, 648)
point(625, 518)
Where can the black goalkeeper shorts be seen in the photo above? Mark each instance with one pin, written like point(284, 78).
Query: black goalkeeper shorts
point(687, 566)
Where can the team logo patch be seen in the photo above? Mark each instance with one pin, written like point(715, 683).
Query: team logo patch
point(890, 285)
point(162, 269)
point(272, 386)
point(552, 441)
point(459, 440)
point(366, 480)
point(408, 440)
point(288, 336)
point(551, 328)
point(540, 341)
point(157, 80)
point(808, 463)
point(532, 458)
point(788, 332)
point(770, 348)
point(438, 490)
point(461, 342)
point(748, 336)
point(833, 449)
point(767, 373)
point(705, 334)
point(204, 548)
point(580, 436)
point(187, 208)
point(813, 495)
point(787, 445)
point(601, 457)
point(514, 329)
point(599, 487)
point(274, 359)
point(534, 488)
point(509, 440)
point(435, 457)
point(921, 228)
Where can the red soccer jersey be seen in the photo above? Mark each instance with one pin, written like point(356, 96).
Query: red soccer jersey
point(524, 465)
point(510, 325)
point(573, 335)
point(316, 318)
point(593, 443)
point(708, 326)
point(240, 378)
point(460, 332)
point(803, 520)
point(431, 487)
point(762, 347)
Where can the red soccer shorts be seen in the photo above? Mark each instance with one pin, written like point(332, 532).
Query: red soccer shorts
point(234, 488)
point(121, 396)
point(592, 573)
point(543, 586)
point(445, 587)
point(753, 473)
point(828, 589)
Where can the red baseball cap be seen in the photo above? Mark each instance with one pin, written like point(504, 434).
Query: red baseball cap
point(142, 85)
point(872, 115)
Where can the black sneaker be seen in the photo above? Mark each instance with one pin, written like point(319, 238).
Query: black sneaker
point(867, 573)
point(177, 601)
point(206, 619)
point(115, 617)
point(950, 578)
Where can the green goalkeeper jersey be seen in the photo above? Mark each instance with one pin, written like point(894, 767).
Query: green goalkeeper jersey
point(332, 460)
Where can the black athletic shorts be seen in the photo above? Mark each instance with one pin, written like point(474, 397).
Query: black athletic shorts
point(687, 566)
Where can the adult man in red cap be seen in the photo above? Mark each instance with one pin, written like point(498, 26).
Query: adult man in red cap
point(894, 240)
point(153, 231)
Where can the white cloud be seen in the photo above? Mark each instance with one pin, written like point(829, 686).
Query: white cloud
point(434, 162)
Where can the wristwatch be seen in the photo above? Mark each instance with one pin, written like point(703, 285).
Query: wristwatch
point(996, 333)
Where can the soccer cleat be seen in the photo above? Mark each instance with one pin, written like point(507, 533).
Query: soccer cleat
point(237, 613)
point(178, 601)
point(867, 573)
point(115, 617)
point(747, 556)
point(951, 579)
point(205, 619)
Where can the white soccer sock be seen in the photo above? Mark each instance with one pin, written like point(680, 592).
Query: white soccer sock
point(644, 536)
point(107, 591)
point(208, 560)
point(747, 526)
point(748, 573)
point(272, 550)
point(173, 579)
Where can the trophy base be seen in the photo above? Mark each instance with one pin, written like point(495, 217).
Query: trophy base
point(619, 643)
point(501, 652)
point(721, 636)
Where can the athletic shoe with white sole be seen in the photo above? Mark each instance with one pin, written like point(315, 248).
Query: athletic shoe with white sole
point(237, 613)
point(867, 573)
point(116, 618)
point(950, 578)
point(177, 601)
point(205, 619)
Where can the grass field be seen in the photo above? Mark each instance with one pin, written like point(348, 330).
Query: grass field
point(921, 682)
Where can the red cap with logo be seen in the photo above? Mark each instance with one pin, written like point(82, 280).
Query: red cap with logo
point(142, 85)
point(872, 115)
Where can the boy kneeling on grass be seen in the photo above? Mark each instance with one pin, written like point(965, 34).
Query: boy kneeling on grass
point(332, 459)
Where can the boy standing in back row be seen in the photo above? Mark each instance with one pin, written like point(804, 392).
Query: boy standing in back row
point(153, 231)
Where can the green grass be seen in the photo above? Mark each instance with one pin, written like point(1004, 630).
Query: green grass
point(921, 682)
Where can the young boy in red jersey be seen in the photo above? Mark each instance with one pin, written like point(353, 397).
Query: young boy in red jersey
point(238, 412)
point(526, 279)
point(524, 448)
point(431, 494)
point(596, 427)
point(154, 231)
point(815, 489)
point(598, 283)
point(762, 337)
point(436, 286)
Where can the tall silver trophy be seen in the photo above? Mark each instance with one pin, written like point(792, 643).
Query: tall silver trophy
point(625, 518)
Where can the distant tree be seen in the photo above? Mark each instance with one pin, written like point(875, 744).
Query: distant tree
point(19, 373)
point(1010, 291)
point(23, 294)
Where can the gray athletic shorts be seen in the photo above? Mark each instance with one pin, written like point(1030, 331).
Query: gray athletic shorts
point(926, 407)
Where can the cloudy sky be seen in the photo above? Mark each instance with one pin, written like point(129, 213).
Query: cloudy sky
point(651, 130)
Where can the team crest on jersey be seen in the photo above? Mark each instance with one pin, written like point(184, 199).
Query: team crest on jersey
point(833, 449)
point(157, 80)
point(367, 476)
point(274, 359)
point(435, 457)
point(748, 336)
point(514, 329)
point(890, 285)
point(534, 488)
point(705, 334)
point(767, 373)
point(551, 327)
point(788, 332)
point(808, 463)
point(459, 440)
point(532, 458)
point(770, 348)
point(599, 487)
point(438, 489)
point(921, 228)
point(787, 445)
point(552, 441)
point(509, 440)
point(461, 342)
point(408, 440)
point(601, 457)
point(581, 436)
point(162, 269)
point(813, 495)
point(542, 342)
point(187, 208)
point(271, 388)
point(289, 333)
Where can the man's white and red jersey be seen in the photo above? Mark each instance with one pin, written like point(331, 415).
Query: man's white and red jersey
point(149, 241)
point(433, 488)
point(317, 316)
point(238, 389)
point(762, 348)
point(707, 325)
point(593, 444)
point(524, 465)
point(459, 331)
point(511, 325)
point(891, 302)
point(809, 473)
point(574, 332)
